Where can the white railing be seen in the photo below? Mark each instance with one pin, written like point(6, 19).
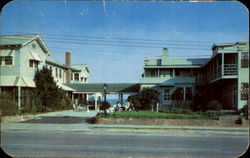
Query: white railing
point(230, 69)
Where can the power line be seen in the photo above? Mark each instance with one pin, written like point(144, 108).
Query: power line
point(129, 42)
point(112, 52)
point(115, 38)
point(119, 44)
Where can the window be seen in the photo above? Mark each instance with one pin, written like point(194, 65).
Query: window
point(60, 73)
point(165, 73)
point(244, 60)
point(153, 73)
point(56, 72)
point(82, 79)
point(166, 94)
point(177, 72)
point(0, 61)
point(76, 76)
point(244, 91)
point(8, 61)
point(31, 63)
point(36, 64)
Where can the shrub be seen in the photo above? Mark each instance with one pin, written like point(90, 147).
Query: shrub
point(134, 102)
point(244, 110)
point(7, 105)
point(148, 97)
point(32, 105)
point(212, 114)
point(213, 105)
point(104, 105)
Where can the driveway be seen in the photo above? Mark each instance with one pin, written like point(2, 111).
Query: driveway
point(62, 117)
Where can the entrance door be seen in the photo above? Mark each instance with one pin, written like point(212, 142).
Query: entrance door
point(166, 96)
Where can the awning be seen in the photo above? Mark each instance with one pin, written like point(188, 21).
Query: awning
point(177, 81)
point(66, 88)
point(16, 81)
point(6, 52)
point(24, 82)
point(168, 84)
point(34, 56)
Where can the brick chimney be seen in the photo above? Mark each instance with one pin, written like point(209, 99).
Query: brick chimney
point(68, 63)
point(164, 59)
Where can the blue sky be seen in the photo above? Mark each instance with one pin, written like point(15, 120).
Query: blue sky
point(104, 34)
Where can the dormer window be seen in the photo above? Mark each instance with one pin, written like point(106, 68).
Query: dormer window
point(33, 63)
point(76, 77)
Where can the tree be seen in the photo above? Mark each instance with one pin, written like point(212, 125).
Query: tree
point(134, 102)
point(48, 92)
point(148, 98)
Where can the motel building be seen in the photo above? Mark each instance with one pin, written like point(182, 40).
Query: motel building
point(22, 55)
point(224, 76)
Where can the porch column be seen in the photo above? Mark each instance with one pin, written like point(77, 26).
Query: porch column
point(173, 72)
point(96, 102)
point(222, 64)
point(184, 93)
point(158, 73)
point(72, 97)
point(121, 99)
point(19, 97)
point(87, 97)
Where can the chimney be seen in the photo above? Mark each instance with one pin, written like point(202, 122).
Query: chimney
point(68, 63)
point(164, 59)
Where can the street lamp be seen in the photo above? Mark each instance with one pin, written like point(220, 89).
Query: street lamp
point(105, 103)
point(105, 91)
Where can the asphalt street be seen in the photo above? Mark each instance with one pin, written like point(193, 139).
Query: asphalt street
point(66, 134)
point(29, 143)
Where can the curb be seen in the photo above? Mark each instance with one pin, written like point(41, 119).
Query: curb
point(169, 128)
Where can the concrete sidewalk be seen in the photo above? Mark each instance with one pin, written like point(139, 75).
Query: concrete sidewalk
point(91, 127)
point(70, 113)
point(169, 127)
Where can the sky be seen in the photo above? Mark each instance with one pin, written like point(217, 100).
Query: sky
point(113, 38)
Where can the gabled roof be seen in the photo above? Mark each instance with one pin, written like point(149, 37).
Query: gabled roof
point(53, 62)
point(81, 66)
point(22, 40)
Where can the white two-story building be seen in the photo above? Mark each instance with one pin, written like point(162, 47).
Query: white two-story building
point(21, 56)
point(225, 76)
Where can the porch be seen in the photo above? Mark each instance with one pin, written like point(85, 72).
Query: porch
point(223, 65)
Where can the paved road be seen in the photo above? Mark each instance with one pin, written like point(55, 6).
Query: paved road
point(62, 117)
point(21, 143)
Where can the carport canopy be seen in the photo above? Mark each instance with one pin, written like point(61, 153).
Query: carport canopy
point(111, 87)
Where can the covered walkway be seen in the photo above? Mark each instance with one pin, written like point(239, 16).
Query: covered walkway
point(82, 91)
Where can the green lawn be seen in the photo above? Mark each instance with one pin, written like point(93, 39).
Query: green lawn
point(167, 115)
